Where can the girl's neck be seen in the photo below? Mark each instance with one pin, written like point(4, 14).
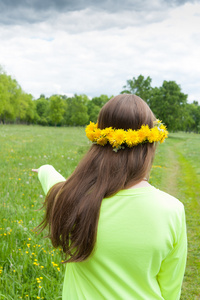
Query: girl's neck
point(143, 183)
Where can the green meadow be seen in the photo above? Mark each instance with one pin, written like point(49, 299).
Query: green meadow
point(29, 267)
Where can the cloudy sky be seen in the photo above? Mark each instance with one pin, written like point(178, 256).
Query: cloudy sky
point(92, 47)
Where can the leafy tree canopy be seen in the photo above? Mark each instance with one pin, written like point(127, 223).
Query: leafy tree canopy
point(138, 86)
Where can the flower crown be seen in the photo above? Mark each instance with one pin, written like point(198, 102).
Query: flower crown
point(119, 138)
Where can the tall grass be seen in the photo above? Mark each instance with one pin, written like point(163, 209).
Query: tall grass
point(29, 267)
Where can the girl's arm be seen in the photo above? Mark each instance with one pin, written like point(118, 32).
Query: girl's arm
point(172, 269)
point(48, 176)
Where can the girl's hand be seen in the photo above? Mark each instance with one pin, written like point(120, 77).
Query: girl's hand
point(35, 170)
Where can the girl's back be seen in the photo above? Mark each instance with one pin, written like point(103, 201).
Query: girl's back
point(134, 256)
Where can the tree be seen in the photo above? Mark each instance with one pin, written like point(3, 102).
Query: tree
point(42, 110)
point(94, 106)
point(93, 111)
point(192, 122)
point(168, 104)
point(56, 109)
point(27, 109)
point(79, 115)
point(139, 86)
point(10, 93)
point(100, 101)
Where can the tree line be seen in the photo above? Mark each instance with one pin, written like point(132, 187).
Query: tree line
point(168, 103)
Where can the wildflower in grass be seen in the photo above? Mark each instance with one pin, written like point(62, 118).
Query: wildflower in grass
point(54, 264)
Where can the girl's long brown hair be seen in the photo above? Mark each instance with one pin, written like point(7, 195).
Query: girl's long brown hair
point(73, 207)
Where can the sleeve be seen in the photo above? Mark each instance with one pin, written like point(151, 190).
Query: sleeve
point(48, 176)
point(172, 269)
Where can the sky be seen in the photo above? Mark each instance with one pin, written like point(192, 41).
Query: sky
point(93, 47)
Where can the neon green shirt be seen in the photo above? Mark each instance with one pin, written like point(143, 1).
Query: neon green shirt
point(140, 251)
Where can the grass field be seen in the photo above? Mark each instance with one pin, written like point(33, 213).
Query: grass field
point(29, 267)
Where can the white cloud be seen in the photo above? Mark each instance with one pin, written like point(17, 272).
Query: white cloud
point(96, 52)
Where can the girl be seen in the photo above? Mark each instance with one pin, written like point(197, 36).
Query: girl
point(122, 238)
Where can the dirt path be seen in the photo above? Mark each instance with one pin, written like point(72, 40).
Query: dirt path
point(173, 173)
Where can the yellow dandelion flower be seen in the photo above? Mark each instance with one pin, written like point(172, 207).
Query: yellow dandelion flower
point(102, 141)
point(143, 133)
point(132, 138)
point(153, 135)
point(145, 129)
point(164, 135)
point(110, 135)
point(157, 122)
point(106, 131)
point(92, 126)
point(117, 138)
point(97, 133)
point(163, 127)
point(90, 135)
